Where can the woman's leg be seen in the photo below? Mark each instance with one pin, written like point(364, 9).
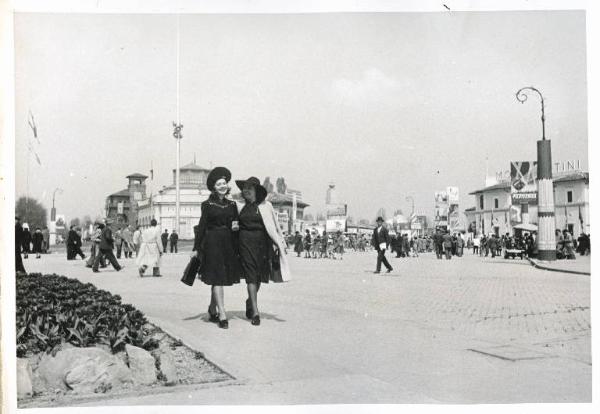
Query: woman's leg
point(219, 298)
point(253, 296)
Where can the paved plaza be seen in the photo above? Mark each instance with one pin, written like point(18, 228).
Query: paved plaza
point(467, 330)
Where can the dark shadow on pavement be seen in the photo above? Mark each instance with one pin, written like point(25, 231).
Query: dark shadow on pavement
point(236, 315)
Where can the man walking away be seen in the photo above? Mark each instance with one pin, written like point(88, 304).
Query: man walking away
point(164, 238)
point(106, 249)
point(492, 245)
point(447, 244)
point(173, 241)
point(380, 241)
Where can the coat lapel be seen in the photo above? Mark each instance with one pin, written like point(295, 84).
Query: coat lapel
point(270, 221)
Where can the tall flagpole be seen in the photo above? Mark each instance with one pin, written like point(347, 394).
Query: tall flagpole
point(177, 134)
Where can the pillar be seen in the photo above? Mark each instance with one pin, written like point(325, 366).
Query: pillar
point(546, 225)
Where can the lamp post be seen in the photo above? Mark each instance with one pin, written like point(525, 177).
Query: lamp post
point(53, 211)
point(412, 211)
point(546, 223)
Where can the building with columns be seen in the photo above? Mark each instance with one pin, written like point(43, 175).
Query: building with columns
point(122, 207)
point(161, 205)
point(494, 213)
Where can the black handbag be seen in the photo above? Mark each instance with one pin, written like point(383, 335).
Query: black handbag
point(275, 260)
point(191, 271)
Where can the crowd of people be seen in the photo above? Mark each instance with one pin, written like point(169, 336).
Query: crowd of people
point(320, 246)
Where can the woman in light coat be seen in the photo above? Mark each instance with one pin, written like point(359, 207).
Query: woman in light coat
point(150, 252)
point(262, 245)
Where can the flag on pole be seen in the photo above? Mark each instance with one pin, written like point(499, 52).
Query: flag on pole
point(566, 218)
point(580, 218)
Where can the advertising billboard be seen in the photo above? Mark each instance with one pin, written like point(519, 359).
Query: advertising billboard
point(523, 186)
point(441, 209)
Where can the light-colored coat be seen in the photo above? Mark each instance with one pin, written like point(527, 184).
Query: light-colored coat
point(149, 254)
point(274, 231)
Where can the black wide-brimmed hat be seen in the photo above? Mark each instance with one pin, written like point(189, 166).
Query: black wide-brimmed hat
point(380, 219)
point(216, 174)
point(261, 192)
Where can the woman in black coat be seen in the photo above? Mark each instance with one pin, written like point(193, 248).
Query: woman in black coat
point(38, 240)
point(216, 243)
point(26, 240)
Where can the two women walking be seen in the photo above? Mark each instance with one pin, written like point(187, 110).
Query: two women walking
point(238, 242)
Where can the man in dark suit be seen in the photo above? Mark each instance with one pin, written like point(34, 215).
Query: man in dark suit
point(74, 244)
point(381, 241)
point(106, 249)
point(447, 242)
point(164, 238)
point(173, 239)
point(438, 244)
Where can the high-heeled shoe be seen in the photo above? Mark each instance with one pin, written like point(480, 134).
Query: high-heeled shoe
point(213, 317)
point(256, 320)
point(223, 324)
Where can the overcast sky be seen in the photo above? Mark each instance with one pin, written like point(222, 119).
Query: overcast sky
point(385, 105)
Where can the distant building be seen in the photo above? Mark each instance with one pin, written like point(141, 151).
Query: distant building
point(122, 206)
point(494, 213)
point(161, 206)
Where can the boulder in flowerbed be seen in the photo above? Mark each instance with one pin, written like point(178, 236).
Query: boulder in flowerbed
point(24, 378)
point(83, 370)
point(166, 363)
point(141, 364)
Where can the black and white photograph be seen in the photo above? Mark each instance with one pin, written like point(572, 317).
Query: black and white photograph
point(276, 207)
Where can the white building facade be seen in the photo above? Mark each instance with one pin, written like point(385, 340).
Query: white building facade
point(494, 212)
point(161, 206)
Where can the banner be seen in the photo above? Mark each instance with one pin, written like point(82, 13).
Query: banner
point(441, 209)
point(523, 186)
point(452, 195)
point(335, 225)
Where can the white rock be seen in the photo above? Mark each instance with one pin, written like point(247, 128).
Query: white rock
point(24, 378)
point(167, 364)
point(83, 370)
point(141, 364)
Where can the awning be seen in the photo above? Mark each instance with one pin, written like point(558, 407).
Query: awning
point(526, 227)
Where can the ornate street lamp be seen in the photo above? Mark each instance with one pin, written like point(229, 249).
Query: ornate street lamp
point(53, 211)
point(546, 223)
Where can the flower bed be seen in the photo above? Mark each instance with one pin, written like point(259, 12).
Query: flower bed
point(53, 309)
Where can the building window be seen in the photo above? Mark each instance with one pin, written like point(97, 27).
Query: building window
point(481, 202)
point(570, 228)
point(569, 196)
point(495, 203)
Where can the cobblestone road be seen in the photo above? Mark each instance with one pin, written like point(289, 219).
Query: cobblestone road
point(466, 330)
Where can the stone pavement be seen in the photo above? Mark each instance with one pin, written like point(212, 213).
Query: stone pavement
point(467, 330)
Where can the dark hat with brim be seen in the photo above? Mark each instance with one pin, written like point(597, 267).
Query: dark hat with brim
point(380, 219)
point(215, 175)
point(261, 192)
